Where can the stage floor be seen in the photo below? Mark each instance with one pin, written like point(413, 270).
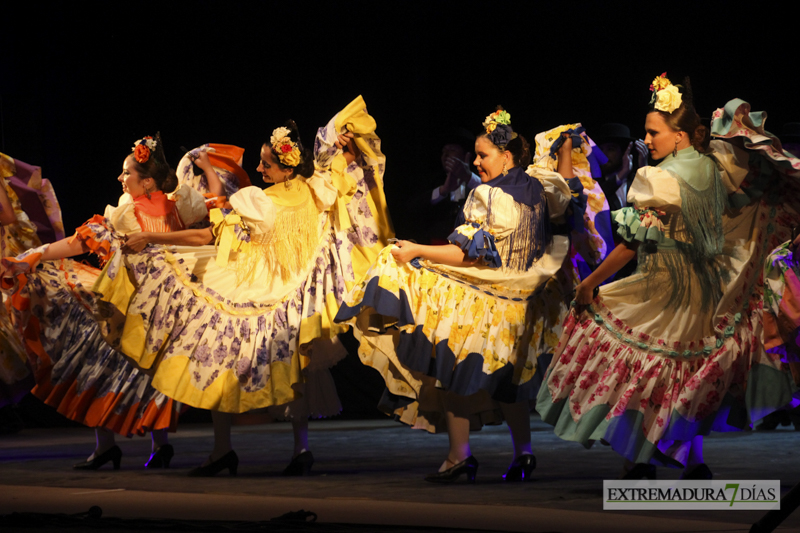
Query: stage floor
point(370, 472)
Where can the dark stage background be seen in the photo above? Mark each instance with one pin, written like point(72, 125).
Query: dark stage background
point(82, 80)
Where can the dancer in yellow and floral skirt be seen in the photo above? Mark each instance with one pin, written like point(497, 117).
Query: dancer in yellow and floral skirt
point(456, 330)
point(231, 328)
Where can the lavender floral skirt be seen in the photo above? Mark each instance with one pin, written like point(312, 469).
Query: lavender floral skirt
point(214, 344)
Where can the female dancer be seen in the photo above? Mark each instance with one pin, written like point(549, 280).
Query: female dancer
point(53, 307)
point(231, 330)
point(457, 328)
point(657, 360)
point(17, 234)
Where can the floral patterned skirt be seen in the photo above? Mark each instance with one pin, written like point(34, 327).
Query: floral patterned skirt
point(427, 331)
point(75, 370)
point(646, 380)
point(213, 344)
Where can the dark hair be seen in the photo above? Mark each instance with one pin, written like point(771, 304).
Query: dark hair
point(306, 166)
point(156, 167)
point(686, 119)
point(519, 147)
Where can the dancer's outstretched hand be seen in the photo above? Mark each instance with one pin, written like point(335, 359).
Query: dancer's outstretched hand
point(136, 242)
point(405, 251)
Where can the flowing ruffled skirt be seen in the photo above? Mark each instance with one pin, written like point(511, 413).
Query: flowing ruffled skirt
point(75, 370)
point(427, 329)
point(645, 379)
point(214, 344)
point(782, 306)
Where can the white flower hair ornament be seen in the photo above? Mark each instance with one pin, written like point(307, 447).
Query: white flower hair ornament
point(666, 96)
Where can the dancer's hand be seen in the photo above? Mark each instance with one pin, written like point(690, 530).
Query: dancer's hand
point(202, 161)
point(584, 294)
point(344, 142)
point(565, 150)
point(457, 172)
point(136, 242)
point(405, 251)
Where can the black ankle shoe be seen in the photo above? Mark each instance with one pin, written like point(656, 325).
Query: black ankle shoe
point(641, 471)
point(113, 454)
point(468, 466)
point(521, 468)
point(161, 457)
point(300, 465)
point(700, 472)
point(230, 461)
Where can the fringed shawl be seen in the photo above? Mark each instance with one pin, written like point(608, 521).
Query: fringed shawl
point(531, 234)
point(698, 231)
point(158, 213)
point(291, 242)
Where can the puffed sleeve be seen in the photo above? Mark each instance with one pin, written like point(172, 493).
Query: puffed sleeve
point(322, 189)
point(556, 189)
point(122, 217)
point(252, 216)
point(191, 205)
point(489, 214)
point(654, 193)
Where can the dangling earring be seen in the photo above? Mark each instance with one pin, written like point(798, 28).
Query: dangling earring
point(287, 184)
point(505, 167)
point(675, 150)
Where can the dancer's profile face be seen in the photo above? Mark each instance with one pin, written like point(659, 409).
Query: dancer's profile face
point(270, 171)
point(132, 181)
point(489, 159)
point(660, 138)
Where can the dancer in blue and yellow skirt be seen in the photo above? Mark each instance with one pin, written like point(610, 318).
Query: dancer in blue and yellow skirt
point(230, 328)
point(658, 360)
point(456, 330)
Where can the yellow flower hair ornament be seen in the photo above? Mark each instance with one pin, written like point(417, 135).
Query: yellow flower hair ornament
point(287, 151)
point(666, 96)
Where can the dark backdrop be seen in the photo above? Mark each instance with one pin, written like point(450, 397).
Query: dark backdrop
point(82, 80)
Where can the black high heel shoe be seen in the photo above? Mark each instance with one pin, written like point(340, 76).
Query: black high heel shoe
point(161, 457)
point(113, 454)
point(300, 465)
point(230, 461)
point(468, 466)
point(521, 468)
point(641, 471)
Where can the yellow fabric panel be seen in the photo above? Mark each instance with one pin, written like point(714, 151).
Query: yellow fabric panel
point(224, 394)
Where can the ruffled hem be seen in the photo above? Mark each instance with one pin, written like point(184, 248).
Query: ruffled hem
point(212, 352)
point(76, 372)
point(601, 386)
point(414, 323)
point(641, 225)
point(97, 235)
point(477, 244)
